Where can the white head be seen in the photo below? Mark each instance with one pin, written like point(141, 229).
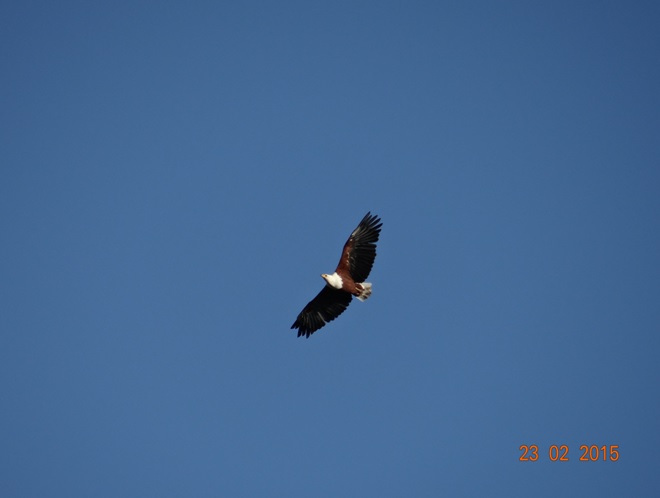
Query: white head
point(333, 280)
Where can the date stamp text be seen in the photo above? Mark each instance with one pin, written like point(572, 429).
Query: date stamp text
point(560, 453)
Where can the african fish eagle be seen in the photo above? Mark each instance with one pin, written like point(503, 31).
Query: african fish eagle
point(347, 281)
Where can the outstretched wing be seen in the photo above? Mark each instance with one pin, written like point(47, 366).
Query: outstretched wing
point(359, 252)
point(325, 307)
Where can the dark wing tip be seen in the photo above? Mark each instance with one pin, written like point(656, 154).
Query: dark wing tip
point(370, 219)
point(303, 328)
point(370, 224)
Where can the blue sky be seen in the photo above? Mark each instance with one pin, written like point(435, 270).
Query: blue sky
point(176, 175)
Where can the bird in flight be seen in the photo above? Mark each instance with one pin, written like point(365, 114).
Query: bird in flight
point(347, 281)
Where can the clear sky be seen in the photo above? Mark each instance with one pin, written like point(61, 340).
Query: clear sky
point(175, 176)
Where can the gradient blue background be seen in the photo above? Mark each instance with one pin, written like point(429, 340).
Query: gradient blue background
point(176, 175)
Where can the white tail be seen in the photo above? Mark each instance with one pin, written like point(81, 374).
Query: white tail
point(366, 291)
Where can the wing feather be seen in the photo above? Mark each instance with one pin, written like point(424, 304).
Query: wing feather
point(359, 252)
point(325, 307)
